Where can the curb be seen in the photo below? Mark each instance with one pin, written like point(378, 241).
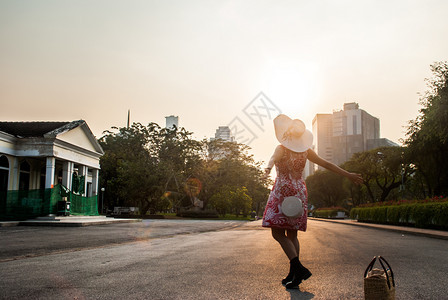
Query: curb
point(66, 223)
point(437, 234)
point(76, 224)
point(9, 223)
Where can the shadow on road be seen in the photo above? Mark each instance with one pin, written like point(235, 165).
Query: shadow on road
point(297, 294)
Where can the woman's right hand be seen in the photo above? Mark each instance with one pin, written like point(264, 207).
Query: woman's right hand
point(267, 171)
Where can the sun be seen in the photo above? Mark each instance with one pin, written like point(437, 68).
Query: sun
point(292, 86)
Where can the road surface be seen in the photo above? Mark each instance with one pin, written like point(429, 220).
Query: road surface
point(210, 261)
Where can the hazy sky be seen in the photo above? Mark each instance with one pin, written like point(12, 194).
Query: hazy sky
point(206, 61)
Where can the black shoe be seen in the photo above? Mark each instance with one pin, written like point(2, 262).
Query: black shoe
point(288, 278)
point(298, 277)
point(290, 275)
point(303, 274)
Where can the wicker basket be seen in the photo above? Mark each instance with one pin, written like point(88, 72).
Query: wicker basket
point(379, 284)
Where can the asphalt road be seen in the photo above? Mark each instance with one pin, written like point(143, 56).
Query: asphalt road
point(29, 241)
point(211, 260)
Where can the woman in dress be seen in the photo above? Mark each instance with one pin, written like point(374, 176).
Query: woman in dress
point(289, 159)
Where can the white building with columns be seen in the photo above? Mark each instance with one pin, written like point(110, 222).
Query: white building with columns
point(40, 155)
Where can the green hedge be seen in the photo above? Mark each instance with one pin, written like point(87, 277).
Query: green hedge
point(326, 213)
point(427, 215)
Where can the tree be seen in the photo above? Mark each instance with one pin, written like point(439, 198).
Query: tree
point(179, 158)
point(325, 189)
point(427, 135)
point(383, 170)
point(143, 163)
point(158, 168)
point(221, 201)
point(241, 201)
point(229, 198)
point(129, 169)
point(228, 164)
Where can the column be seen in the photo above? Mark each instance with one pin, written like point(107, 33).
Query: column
point(95, 180)
point(14, 174)
point(83, 171)
point(67, 171)
point(49, 175)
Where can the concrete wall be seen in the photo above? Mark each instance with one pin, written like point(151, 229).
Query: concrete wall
point(55, 156)
point(78, 137)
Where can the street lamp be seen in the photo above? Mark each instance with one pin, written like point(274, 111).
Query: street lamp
point(102, 200)
point(403, 172)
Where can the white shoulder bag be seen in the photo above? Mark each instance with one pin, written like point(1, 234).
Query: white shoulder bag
point(292, 207)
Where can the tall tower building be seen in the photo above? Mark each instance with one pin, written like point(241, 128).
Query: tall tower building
point(323, 132)
point(339, 135)
point(172, 121)
point(352, 128)
point(224, 133)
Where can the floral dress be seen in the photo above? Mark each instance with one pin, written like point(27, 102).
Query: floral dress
point(289, 182)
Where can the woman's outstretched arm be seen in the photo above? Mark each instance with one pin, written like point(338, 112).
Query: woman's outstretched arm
point(354, 177)
point(274, 158)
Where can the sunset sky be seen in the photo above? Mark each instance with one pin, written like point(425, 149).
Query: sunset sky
point(206, 61)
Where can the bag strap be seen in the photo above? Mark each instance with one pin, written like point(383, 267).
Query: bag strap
point(370, 266)
point(381, 260)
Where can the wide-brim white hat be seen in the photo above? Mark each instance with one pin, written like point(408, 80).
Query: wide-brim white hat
point(292, 133)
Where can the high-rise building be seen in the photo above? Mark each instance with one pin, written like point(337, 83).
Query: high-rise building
point(339, 135)
point(172, 121)
point(323, 132)
point(224, 133)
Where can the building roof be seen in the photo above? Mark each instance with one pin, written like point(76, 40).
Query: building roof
point(37, 129)
point(74, 136)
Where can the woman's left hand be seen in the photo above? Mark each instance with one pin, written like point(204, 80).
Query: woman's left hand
point(355, 178)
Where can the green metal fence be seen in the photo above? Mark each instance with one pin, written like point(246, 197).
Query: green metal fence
point(22, 205)
point(85, 206)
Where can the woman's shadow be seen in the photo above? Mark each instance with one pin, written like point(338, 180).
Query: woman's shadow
point(297, 294)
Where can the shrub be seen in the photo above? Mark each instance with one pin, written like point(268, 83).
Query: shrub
point(328, 212)
point(435, 199)
point(380, 214)
point(393, 215)
point(422, 215)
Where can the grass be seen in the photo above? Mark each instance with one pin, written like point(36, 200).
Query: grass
point(234, 217)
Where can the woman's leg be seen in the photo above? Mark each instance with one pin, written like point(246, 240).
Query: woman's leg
point(292, 236)
point(287, 245)
point(297, 271)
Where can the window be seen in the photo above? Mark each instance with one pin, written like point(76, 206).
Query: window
point(4, 173)
point(43, 177)
point(4, 163)
point(355, 125)
point(24, 177)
